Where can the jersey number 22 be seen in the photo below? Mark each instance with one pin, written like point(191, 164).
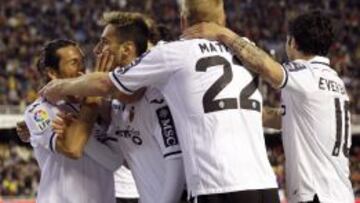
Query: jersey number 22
point(211, 104)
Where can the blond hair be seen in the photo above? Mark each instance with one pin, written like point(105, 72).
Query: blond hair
point(119, 18)
point(197, 11)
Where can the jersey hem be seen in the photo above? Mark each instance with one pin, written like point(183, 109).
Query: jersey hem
point(230, 189)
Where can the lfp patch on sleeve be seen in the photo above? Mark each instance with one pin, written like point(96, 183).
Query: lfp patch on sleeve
point(42, 119)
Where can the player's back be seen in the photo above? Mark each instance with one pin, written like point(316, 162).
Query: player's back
point(64, 179)
point(316, 132)
point(217, 107)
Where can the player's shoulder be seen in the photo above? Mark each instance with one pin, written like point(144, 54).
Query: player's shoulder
point(154, 96)
point(39, 103)
point(37, 115)
point(181, 44)
point(297, 65)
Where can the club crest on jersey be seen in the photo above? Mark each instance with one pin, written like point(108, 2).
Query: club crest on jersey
point(41, 118)
point(167, 126)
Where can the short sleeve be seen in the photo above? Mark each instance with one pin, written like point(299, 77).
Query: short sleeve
point(298, 77)
point(166, 134)
point(38, 120)
point(151, 69)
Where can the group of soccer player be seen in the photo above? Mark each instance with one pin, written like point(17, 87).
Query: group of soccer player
point(186, 117)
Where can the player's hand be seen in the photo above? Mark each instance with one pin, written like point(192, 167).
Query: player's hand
point(22, 131)
point(211, 31)
point(105, 62)
point(61, 123)
point(53, 91)
point(94, 102)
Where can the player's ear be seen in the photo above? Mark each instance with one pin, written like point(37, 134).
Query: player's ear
point(51, 73)
point(129, 48)
point(292, 43)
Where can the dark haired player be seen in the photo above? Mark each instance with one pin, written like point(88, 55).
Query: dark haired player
point(91, 175)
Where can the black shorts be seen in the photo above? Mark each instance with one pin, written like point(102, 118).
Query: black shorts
point(247, 196)
point(315, 200)
point(123, 200)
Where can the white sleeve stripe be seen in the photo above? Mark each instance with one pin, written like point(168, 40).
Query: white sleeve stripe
point(172, 153)
point(119, 85)
point(286, 77)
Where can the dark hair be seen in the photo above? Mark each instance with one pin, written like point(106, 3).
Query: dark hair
point(165, 33)
point(313, 33)
point(49, 57)
point(130, 27)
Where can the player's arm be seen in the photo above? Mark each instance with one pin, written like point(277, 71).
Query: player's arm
point(103, 151)
point(166, 136)
point(124, 83)
point(74, 132)
point(174, 180)
point(272, 117)
point(91, 84)
point(23, 131)
point(253, 57)
point(82, 140)
point(104, 154)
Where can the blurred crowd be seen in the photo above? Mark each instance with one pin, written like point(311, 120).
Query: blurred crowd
point(26, 24)
point(19, 172)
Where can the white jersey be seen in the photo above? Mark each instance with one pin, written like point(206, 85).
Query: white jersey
point(217, 109)
point(64, 180)
point(147, 137)
point(124, 184)
point(316, 132)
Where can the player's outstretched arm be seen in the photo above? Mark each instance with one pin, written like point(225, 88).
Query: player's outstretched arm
point(272, 117)
point(73, 133)
point(91, 84)
point(255, 59)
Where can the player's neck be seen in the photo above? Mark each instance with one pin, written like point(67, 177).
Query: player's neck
point(302, 56)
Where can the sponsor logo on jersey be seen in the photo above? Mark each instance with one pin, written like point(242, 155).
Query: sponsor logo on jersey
point(167, 126)
point(41, 118)
point(130, 133)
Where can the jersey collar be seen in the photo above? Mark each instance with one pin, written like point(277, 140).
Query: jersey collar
point(324, 62)
point(320, 60)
